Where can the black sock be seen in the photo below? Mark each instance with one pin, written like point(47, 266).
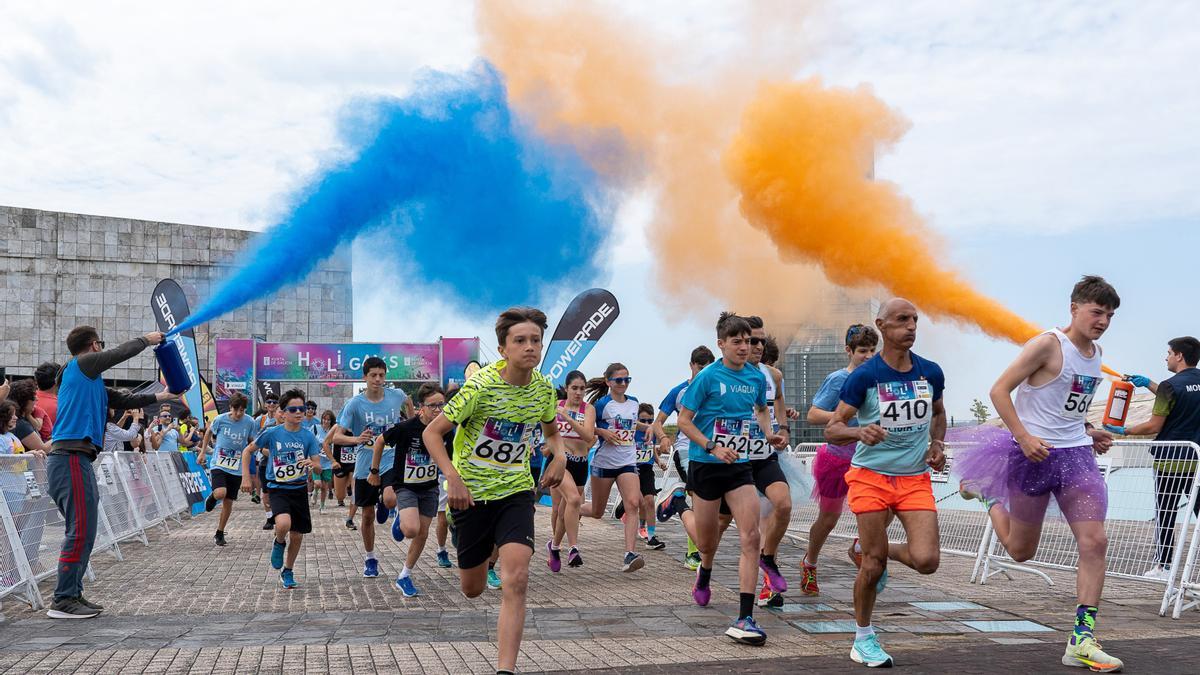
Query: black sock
point(746, 602)
point(491, 566)
point(703, 578)
point(504, 672)
point(769, 559)
point(220, 532)
point(287, 569)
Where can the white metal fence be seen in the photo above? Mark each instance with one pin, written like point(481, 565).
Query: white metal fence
point(137, 491)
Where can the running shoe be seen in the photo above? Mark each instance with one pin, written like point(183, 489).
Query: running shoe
point(350, 524)
point(856, 558)
point(968, 492)
point(643, 532)
point(397, 533)
point(405, 584)
point(869, 652)
point(692, 561)
point(808, 579)
point(493, 580)
point(1085, 652)
point(321, 509)
point(633, 562)
point(747, 632)
point(89, 604)
point(70, 608)
point(778, 583)
point(1157, 572)
point(381, 514)
point(342, 503)
point(219, 538)
point(443, 558)
point(701, 595)
point(254, 498)
point(655, 543)
point(277, 549)
point(573, 558)
point(768, 597)
point(371, 568)
point(210, 503)
point(288, 579)
point(553, 557)
point(666, 507)
point(270, 524)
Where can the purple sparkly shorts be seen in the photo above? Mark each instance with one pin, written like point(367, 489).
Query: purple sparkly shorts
point(995, 467)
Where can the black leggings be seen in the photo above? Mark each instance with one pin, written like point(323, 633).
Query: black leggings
point(1169, 489)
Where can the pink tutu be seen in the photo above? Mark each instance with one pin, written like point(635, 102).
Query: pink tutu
point(829, 469)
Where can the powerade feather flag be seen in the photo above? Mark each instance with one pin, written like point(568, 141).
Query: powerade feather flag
point(170, 308)
point(583, 324)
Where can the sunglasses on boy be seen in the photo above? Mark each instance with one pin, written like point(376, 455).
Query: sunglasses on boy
point(294, 409)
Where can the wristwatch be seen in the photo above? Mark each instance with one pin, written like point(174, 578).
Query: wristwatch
point(375, 471)
point(710, 446)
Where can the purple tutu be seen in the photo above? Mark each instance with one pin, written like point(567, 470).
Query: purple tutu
point(994, 466)
point(829, 469)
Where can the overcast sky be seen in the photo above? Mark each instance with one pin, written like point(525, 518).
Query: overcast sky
point(1048, 140)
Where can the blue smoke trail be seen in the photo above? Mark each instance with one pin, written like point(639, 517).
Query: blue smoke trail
point(468, 199)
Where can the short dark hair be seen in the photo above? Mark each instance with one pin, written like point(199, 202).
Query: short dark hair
point(645, 408)
point(238, 400)
point(1092, 288)
point(861, 335)
point(770, 351)
point(46, 374)
point(311, 404)
point(372, 363)
point(1188, 347)
point(755, 322)
point(428, 389)
point(517, 315)
point(702, 356)
point(80, 338)
point(291, 394)
point(730, 325)
point(22, 392)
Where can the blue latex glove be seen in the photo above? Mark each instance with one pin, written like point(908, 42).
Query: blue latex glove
point(1138, 381)
point(1120, 431)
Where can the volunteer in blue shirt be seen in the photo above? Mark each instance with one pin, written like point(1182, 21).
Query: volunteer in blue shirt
point(228, 436)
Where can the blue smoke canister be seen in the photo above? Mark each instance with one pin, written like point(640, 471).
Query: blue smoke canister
point(170, 362)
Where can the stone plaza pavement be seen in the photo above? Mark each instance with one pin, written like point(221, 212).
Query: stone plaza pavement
point(182, 605)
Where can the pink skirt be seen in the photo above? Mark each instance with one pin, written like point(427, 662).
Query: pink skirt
point(829, 471)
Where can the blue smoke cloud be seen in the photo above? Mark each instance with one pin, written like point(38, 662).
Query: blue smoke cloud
point(456, 193)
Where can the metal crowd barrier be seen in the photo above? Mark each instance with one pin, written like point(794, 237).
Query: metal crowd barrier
point(137, 491)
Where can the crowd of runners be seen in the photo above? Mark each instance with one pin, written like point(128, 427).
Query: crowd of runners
point(476, 459)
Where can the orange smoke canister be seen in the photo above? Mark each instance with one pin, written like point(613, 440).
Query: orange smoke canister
point(1118, 403)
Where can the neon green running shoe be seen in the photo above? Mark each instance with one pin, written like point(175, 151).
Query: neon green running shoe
point(692, 561)
point(1085, 652)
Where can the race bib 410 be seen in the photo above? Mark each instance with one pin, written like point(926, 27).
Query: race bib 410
point(905, 406)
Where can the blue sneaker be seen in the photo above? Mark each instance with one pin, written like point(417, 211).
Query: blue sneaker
point(381, 514)
point(406, 586)
point(869, 652)
point(443, 558)
point(288, 579)
point(747, 632)
point(371, 568)
point(277, 550)
point(397, 533)
point(493, 580)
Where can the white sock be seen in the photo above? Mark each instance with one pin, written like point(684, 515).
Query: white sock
point(857, 548)
point(270, 515)
point(370, 555)
point(404, 572)
point(441, 549)
point(861, 632)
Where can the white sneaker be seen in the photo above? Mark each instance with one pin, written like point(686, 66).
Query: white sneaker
point(1158, 572)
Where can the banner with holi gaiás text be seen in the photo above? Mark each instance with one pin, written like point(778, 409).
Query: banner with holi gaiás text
point(311, 361)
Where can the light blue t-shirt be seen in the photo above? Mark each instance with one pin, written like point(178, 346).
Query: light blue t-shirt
point(320, 433)
point(830, 393)
point(284, 449)
point(724, 401)
point(902, 403)
point(359, 413)
point(229, 439)
point(170, 441)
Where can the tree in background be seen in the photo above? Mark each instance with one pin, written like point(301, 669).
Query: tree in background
point(980, 410)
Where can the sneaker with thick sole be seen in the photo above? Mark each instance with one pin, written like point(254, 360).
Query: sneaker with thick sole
point(350, 524)
point(219, 538)
point(747, 632)
point(619, 512)
point(1157, 572)
point(692, 561)
point(632, 562)
point(765, 593)
point(397, 533)
point(270, 524)
point(869, 652)
point(71, 608)
point(808, 579)
point(856, 558)
point(574, 559)
point(778, 583)
point(701, 595)
point(371, 568)
point(277, 549)
point(553, 557)
point(665, 507)
point(443, 558)
point(89, 604)
point(493, 580)
point(1085, 652)
point(643, 533)
point(288, 579)
point(406, 586)
point(655, 543)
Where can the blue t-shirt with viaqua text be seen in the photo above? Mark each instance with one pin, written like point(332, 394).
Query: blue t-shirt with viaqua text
point(360, 413)
point(229, 439)
point(724, 401)
point(285, 449)
point(902, 403)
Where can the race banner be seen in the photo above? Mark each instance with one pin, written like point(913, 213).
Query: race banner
point(582, 325)
point(322, 362)
point(234, 367)
point(170, 307)
point(193, 478)
point(268, 389)
point(457, 356)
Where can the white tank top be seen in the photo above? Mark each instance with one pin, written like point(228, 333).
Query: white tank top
point(1055, 412)
point(766, 371)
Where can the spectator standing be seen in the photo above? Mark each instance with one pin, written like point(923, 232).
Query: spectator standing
point(47, 395)
point(29, 416)
point(122, 429)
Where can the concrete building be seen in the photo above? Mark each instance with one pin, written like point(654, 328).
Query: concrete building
point(60, 270)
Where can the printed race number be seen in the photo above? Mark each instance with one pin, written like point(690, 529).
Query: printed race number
point(419, 469)
point(1079, 398)
point(743, 436)
point(501, 446)
point(285, 465)
point(349, 454)
point(623, 428)
point(645, 452)
point(905, 405)
point(229, 458)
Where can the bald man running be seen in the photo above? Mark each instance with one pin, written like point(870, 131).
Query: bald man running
point(897, 397)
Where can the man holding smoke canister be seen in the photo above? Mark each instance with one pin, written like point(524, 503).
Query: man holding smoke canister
point(1175, 417)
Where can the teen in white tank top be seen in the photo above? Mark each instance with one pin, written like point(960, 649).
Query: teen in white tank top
point(1055, 411)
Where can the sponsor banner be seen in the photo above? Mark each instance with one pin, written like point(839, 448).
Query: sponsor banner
point(326, 362)
point(170, 308)
point(457, 356)
point(268, 389)
point(235, 366)
point(193, 478)
point(582, 325)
